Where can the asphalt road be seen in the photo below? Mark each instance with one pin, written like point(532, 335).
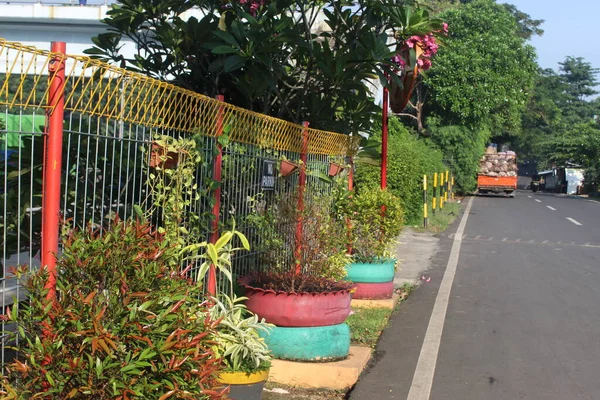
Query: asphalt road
point(523, 317)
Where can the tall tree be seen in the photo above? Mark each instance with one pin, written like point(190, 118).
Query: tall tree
point(580, 77)
point(482, 76)
point(527, 26)
point(274, 57)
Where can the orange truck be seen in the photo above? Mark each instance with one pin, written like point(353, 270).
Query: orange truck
point(498, 174)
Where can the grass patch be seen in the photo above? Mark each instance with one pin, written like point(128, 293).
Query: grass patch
point(441, 220)
point(366, 325)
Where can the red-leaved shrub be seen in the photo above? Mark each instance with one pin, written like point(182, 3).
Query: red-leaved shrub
point(124, 324)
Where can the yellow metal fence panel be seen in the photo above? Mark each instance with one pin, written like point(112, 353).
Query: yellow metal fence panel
point(95, 88)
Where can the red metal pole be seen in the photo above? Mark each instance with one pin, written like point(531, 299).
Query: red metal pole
point(350, 188)
point(217, 170)
point(384, 138)
point(53, 165)
point(301, 188)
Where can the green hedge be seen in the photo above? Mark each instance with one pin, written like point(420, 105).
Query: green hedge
point(409, 158)
point(462, 148)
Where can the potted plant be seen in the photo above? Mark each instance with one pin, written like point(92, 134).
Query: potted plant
point(302, 293)
point(375, 219)
point(335, 169)
point(163, 154)
point(238, 343)
point(286, 167)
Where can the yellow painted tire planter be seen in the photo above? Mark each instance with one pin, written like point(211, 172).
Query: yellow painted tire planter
point(244, 385)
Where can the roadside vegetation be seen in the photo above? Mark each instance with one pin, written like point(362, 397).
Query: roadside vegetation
point(367, 323)
point(442, 219)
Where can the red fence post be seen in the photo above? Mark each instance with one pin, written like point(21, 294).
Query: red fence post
point(384, 138)
point(217, 172)
point(301, 188)
point(350, 188)
point(53, 165)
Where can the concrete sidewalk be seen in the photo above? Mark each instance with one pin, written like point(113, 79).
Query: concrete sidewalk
point(415, 251)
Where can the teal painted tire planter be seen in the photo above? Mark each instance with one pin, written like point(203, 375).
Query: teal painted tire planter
point(318, 343)
point(371, 272)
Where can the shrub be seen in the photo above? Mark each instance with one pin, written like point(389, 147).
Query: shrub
point(376, 219)
point(323, 249)
point(463, 148)
point(120, 327)
point(409, 158)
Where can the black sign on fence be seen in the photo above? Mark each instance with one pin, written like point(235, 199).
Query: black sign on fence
point(267, 181)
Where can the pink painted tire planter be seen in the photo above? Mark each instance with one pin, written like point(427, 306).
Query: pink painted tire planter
point(298, 309)
point(374, 291)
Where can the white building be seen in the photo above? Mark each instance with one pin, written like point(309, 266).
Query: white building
point(38, 23)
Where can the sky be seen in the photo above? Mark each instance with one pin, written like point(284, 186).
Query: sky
point(571, 28)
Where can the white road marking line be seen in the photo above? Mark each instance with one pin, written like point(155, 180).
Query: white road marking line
point(532, 241)
point(552, 208)
point(593, 201)
point(505, 239)
point(574, 221)
point(539, 201)
point(531, 197)
point(544, 242)
point(477, 237)
point(420, 388)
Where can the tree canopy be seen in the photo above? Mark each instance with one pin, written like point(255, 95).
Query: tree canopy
point(293, 59)
point(484, 75)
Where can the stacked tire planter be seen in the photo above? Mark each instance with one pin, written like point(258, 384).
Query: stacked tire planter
point(308, 326)
point(374, 281)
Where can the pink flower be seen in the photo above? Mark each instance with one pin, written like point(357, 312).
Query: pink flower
point(399, 60)
point(412, 41)
point(424, 63)
point(445, 25)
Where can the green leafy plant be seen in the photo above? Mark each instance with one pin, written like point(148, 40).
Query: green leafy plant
point(322, 254)
point(120, 326)
point(218, 254)
point(271, 57)
point(173, 189)
point(238, 343)
point(376, 219)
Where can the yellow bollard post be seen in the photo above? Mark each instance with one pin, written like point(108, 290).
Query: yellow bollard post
point(441, 191)
point(446, 188)
point(434, 199)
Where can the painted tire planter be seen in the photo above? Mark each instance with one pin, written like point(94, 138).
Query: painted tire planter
point(374, 281)
point(244, 386)
point(321, 343)
point(374, 291)
point(371, 272)
point(298, 309)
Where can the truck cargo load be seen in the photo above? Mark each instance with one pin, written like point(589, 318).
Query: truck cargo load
point(498, 173)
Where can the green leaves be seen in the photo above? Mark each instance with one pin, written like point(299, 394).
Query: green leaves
point(485, 73)
point(266, 59)
point(127, 323)
point(239, 343)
